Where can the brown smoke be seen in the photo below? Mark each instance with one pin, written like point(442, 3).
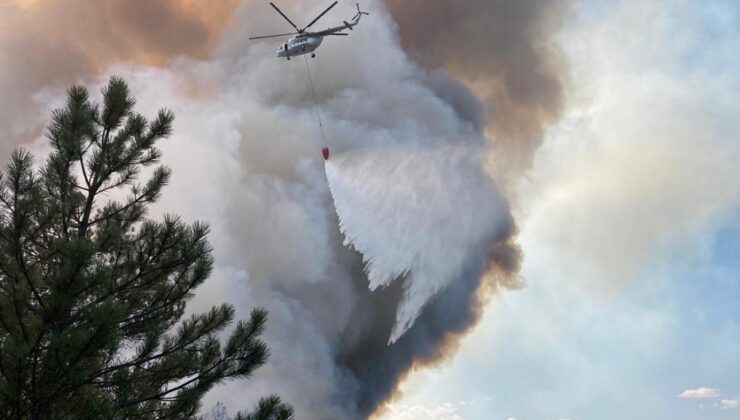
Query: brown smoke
point(502, 50)
point(50, 43)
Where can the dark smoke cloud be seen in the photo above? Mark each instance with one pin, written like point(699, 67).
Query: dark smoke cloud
point(503, 50)
point(377, 369)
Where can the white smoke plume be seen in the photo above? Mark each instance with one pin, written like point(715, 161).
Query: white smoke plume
point(246, 158)
point(415, 214)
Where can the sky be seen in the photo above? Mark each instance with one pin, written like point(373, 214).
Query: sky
point(610, 127)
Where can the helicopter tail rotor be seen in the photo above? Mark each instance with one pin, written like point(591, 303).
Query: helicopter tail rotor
point(359, 13)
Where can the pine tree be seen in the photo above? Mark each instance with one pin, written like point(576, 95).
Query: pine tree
point(92, 294)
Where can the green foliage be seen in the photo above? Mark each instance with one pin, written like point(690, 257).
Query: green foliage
point(269, 408)
point(92, 294)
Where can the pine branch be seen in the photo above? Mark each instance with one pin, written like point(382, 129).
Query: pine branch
point(83, 277)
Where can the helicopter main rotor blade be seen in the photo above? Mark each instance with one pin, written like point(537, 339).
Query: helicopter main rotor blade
point(285, 17)
point(320, 16)
point(272, 36)
point(335, 34)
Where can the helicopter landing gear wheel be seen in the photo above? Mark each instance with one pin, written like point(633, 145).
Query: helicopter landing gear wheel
point(313, 55)
point(288, 58)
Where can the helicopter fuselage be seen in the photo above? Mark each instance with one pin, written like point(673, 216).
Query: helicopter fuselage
point(305, 42)
point(299, 45)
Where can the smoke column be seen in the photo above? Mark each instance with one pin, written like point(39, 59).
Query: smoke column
point(246, 158)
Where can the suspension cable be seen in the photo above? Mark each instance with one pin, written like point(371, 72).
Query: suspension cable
point(315, 101)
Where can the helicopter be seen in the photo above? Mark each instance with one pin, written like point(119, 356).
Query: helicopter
point(305, 42)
